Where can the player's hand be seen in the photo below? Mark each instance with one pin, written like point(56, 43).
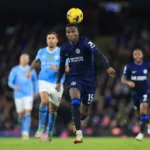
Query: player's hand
point(131, 84)
point(111, 72)
point(58, 85)
point(53, 67)
point(16, 88)
point(28, 75)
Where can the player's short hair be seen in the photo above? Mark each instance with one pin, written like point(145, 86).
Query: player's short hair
point(72, 25)
point(52, 32)
point(138, 49)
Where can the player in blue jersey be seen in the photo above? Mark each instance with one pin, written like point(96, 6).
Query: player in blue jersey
point(135, 75)
point(80, 52)
point(24, 90)
point(50, 99)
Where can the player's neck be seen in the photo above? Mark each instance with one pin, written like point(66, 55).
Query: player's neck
point(138, 63)
point(23, 65)
point(74, 43)
point(51, 48)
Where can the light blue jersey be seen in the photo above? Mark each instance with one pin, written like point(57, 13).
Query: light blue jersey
point(27, 87)
point(47, 59)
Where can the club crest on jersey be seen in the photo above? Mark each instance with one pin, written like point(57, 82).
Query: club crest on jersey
point(77, 51)
point(49, 57)
point(56, 57)
point(145, 71)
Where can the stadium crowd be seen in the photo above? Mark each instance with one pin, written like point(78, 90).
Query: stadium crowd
point(112, 110)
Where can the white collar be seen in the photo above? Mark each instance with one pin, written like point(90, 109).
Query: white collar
point(50, 52)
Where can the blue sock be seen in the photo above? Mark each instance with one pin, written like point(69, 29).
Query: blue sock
point(51, 123)
point(20, 121)
point(144, 120)
point(27, 122)
point(43, 109)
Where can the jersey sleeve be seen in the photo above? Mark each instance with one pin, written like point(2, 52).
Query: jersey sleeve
point(126, 71)
point(149, 67)
point(11, 78)
point(62, 55)
point(38, 56)
point(90, 45)
point(61, 69)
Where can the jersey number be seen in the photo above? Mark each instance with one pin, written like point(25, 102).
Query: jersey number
point(90, 98)
point(144, 97)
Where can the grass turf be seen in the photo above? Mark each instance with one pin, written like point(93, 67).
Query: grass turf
point(67, 144)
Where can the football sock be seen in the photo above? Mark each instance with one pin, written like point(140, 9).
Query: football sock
point(76, 113)
point(43, 109)
point(144, 119)
point(51, 123)
point(27, 122)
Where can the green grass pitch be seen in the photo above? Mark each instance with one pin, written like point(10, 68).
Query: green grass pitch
point(67, 144)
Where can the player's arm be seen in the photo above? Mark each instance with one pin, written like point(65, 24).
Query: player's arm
point(35, 82)
point(62, 65)
point(33, 64)
point(11, 79)
point(61, 69)
point(124, 79)
point(98, 56)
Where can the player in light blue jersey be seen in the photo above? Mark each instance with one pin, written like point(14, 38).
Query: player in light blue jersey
point(24, 90)
point(135, 75)
point(50, 98)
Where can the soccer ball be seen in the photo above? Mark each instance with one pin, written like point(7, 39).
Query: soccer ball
point(74, 15)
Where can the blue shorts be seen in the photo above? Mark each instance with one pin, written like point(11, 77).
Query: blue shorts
point(86, 90)
point(140, 98)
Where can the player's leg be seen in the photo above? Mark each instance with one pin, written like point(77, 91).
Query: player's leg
point(75, 101)
point(87, 99)
point(84, 111)
point(143, 117)
point(54, 101)
point(28, 104)
point(43, 108)
point(20, 113)
point(51, 120)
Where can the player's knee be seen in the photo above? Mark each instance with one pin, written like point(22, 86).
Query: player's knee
point(44, 101)
point(75, 101)
point(82, 117)
point(143, 108)
point(52, 110)
point(20, 115)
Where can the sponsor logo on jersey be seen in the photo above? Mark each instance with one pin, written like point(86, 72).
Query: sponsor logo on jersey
point(75, 59)
point(138, 78)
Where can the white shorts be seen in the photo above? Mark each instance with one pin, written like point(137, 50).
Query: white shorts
point(53, 95)
point(25, 103)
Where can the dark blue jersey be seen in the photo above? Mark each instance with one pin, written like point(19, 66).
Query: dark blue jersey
point(80, 59)
point(139, 75)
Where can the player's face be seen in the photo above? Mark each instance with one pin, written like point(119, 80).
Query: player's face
point(52, 40)
point(24, 59)
point(72, 34)
point(138, 56)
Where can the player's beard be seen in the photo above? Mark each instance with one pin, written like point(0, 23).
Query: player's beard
point(139, 61)
point(73, 40)
point(51, 47)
